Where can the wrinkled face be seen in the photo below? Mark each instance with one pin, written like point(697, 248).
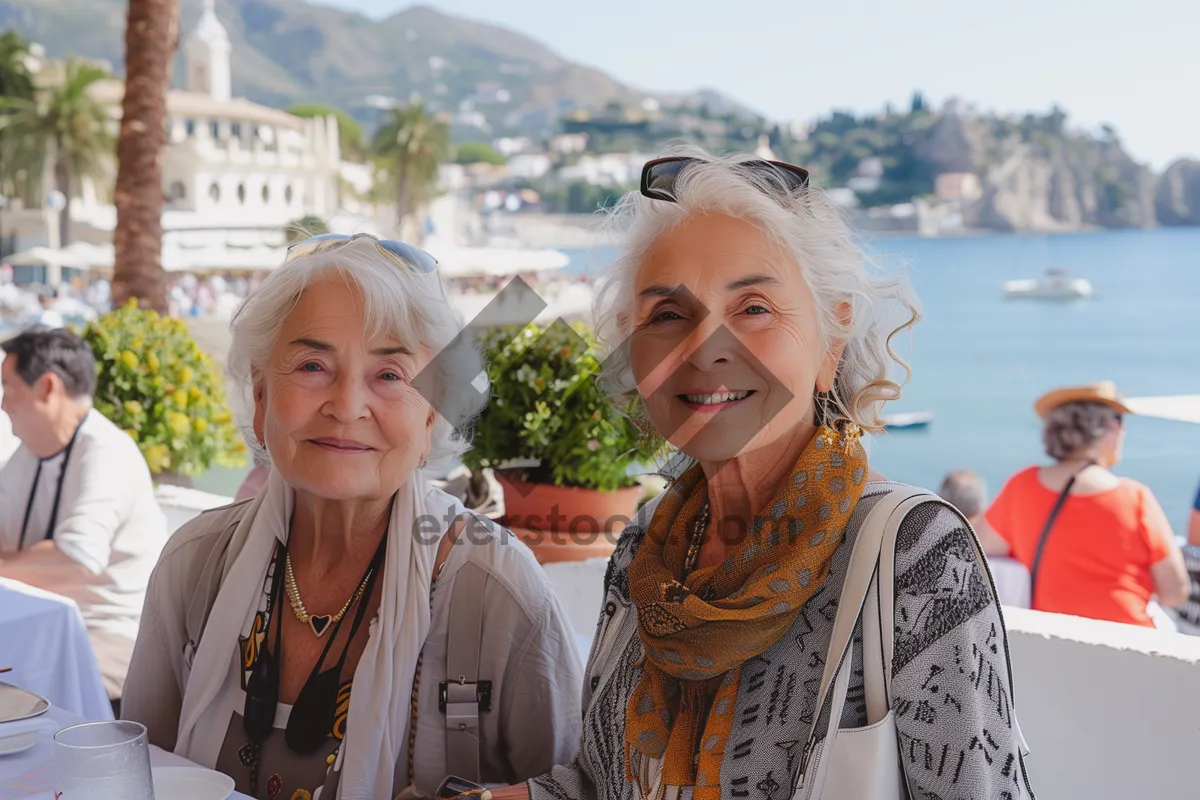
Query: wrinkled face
point(725, 347)
point(336, 409)
point(29, 408)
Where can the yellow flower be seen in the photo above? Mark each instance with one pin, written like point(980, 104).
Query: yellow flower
point(179, 424)
point(239, 446)
point(186, 375)
point(133, 407)
point(132, 433)
point(222, 417)
point(180, 397)
point(158, 457)
point(152, 362)
point(201, 425)
point(195, 394)
point(129, 359)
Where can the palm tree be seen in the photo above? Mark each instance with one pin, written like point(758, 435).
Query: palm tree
point(15, 82)
point(64, 124)
point(151, 34)
point(409, 147)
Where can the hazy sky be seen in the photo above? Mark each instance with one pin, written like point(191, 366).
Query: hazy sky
point(1134, 63)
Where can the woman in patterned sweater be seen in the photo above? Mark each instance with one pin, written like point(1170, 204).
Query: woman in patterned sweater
point(741, 317)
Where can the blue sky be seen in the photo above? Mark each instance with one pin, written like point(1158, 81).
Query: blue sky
point(1135, 64)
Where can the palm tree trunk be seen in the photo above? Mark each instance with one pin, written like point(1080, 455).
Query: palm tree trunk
point(62, 183)
point(151, 33)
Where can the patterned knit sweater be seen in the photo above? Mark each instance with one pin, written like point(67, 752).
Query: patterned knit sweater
point(957, 729)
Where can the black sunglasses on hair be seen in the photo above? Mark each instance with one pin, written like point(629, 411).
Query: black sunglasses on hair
point(658, 176)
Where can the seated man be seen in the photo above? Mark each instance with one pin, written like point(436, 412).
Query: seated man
point(965, 490)
point(77, 510)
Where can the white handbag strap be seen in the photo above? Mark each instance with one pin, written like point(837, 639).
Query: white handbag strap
point(862, 583)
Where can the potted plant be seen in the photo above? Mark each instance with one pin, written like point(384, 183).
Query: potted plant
point(557, 445)
point(154, 382)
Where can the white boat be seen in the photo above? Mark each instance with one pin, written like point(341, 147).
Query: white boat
point(1057, 285)
point(908, 420)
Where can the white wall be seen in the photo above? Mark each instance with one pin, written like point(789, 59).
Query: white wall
point(1109, 711)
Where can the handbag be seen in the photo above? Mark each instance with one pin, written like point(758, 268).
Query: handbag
point(864, 763)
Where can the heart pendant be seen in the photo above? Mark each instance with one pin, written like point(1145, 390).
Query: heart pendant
point(319, 623)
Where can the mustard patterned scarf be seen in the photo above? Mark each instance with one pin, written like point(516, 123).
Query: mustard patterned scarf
point(699, 629)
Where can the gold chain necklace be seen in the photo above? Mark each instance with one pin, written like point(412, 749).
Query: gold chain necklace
point(693, 553)
point(318, 622)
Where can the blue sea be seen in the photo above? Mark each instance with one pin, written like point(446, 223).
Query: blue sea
point(979, 360)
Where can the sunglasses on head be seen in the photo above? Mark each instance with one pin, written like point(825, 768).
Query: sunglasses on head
point(659, 175)
point(414, 257)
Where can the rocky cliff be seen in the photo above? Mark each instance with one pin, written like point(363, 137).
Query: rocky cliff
point(1038, 176)
point(1177, 201)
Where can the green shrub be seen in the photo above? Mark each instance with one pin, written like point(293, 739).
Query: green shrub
point(155, 383)
point(546, 406)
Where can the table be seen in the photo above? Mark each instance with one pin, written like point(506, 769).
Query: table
point(43, 639)
point(29, 776)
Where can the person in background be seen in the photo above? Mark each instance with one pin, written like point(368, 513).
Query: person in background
point(966, 490)
point(1106, 544)
point(49, 316)
point(77, 510)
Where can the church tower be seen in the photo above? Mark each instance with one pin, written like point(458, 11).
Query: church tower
point(206, 53)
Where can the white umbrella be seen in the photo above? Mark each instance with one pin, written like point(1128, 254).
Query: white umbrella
point(46, 257)
point(1180, 407)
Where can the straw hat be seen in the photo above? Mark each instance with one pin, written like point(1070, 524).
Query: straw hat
point(1104, 393)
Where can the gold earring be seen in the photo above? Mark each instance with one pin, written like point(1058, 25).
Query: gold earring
point(851, 432)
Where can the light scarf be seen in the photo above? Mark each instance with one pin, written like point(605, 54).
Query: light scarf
point(699, 629)
point(377, 730)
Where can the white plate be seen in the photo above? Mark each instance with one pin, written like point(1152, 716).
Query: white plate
point(18, 744)
point(191, 783)
point(17, 704)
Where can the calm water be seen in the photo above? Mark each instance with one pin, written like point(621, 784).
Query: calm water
point(979, 361)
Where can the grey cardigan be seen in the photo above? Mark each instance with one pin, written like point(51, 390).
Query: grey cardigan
point(954, 716)
point(528, 652)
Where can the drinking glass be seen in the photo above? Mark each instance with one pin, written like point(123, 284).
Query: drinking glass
point(102, 761)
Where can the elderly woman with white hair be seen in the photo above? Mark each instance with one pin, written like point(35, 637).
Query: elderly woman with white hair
point(741, 315)
point(326, 639)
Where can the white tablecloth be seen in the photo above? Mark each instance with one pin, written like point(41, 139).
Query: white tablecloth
point(43, 639)
point(30, 775)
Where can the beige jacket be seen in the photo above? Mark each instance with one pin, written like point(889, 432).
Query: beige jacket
point(527, 651)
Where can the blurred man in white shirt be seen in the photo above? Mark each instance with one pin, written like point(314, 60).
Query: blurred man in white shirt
point(77, 510)
point(49, 316)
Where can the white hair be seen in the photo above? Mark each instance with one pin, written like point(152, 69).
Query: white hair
point(805, 224)
point(398, 301)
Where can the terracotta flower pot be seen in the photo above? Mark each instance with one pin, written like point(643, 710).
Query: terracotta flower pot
point(564, 523)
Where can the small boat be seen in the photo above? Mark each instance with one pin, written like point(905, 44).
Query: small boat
point(1057, 285)
point(910, 420)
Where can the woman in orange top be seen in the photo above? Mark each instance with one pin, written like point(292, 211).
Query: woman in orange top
point(1110, 547)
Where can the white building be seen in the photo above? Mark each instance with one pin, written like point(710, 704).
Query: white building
point(235, 173)
point(231, 163)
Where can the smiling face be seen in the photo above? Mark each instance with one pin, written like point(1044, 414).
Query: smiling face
point(725, 347)
point(335, 407)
